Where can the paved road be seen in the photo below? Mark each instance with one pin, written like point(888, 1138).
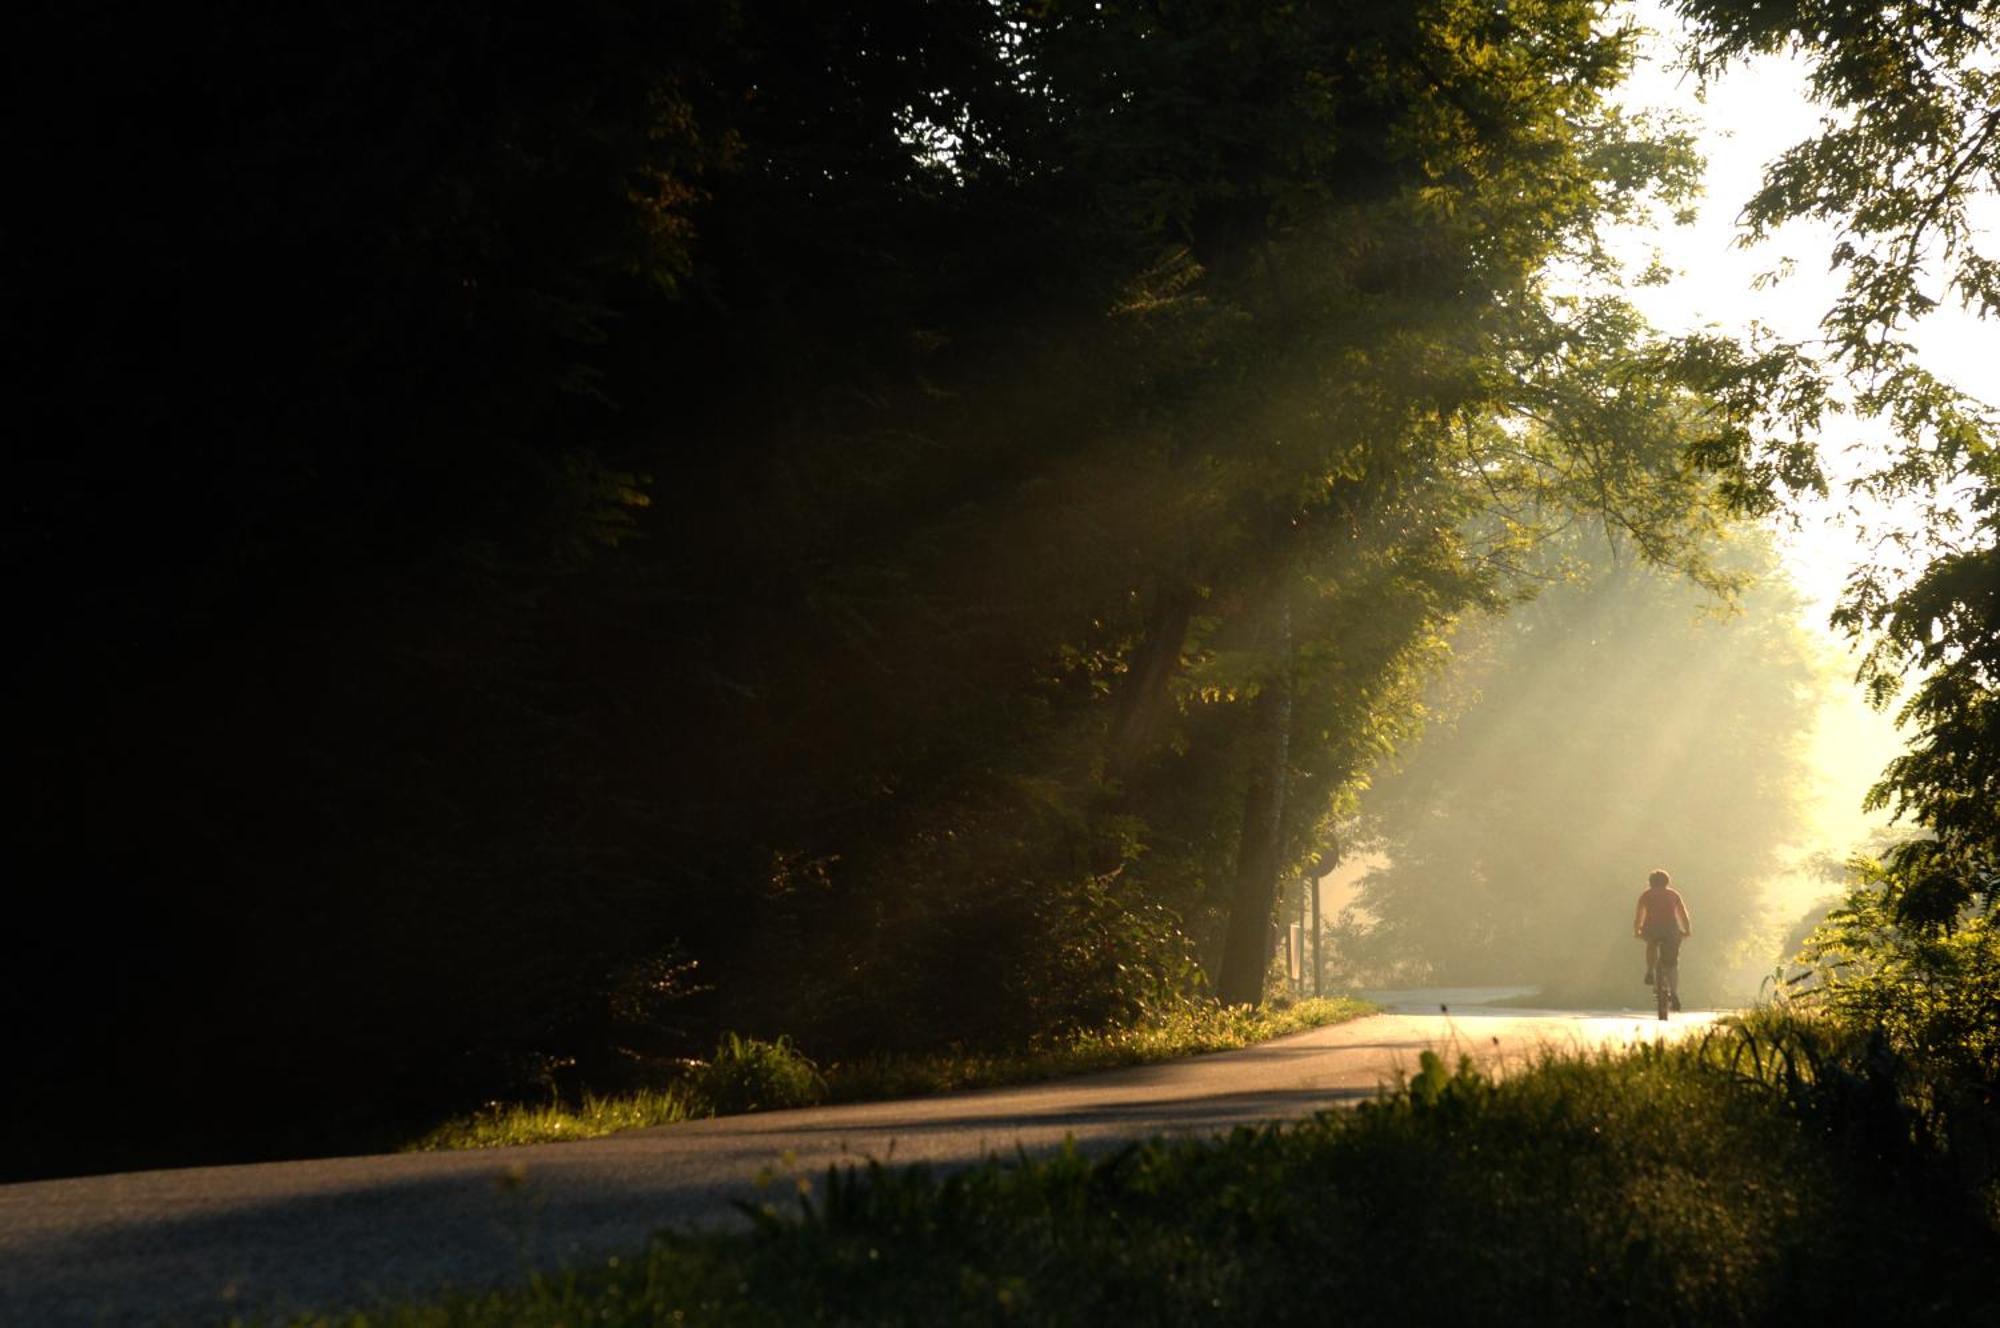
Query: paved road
point(194, 1245)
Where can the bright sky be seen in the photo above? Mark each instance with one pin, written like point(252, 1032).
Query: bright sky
point(1744, 122)
point(1754, 114)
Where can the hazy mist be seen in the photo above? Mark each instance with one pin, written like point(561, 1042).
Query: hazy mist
point(1609, 727)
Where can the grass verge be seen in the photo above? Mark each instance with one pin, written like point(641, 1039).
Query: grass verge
point(748, 1075)
point(1662, 1186)
point(503, 1123)
point(1191, 1030)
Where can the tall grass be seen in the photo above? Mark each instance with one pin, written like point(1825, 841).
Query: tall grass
point(590, 1117)
point(747, 1074)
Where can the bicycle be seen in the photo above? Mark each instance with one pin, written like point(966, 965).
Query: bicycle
point(1666, 976)
point(1666, 971)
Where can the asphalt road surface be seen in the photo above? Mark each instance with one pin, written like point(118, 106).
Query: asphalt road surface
point(196, 1245)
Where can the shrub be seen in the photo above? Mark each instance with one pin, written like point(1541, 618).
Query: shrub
point(1913, 1010)
point(749, 1074)
point(1933, 992)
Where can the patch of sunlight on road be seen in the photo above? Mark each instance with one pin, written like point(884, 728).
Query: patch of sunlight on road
point(1476, 1019)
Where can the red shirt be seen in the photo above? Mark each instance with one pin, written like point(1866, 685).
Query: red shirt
point(1661, 908)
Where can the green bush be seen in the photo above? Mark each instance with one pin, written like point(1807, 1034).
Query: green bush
point(749, 1074)
point(1901, 1026)
point(1933, 992)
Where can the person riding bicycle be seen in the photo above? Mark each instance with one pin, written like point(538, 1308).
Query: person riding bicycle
point(1662, 922)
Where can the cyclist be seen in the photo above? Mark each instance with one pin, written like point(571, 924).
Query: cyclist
point(1662, 922)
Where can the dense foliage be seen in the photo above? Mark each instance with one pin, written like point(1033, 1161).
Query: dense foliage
point(1927, 997)
point(549, 534)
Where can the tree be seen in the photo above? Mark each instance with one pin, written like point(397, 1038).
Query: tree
point(783, 514)
point(1378, 233)
point(1910, 142)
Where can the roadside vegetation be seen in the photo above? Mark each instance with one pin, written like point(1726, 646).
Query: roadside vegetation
point(748, 1074)
point(1831, 1156)
point(1695, 1184)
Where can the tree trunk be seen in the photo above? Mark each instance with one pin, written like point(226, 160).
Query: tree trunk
point(1246, 949)
point(1319, 963)
point(1142, 700)
point(1324, 863)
